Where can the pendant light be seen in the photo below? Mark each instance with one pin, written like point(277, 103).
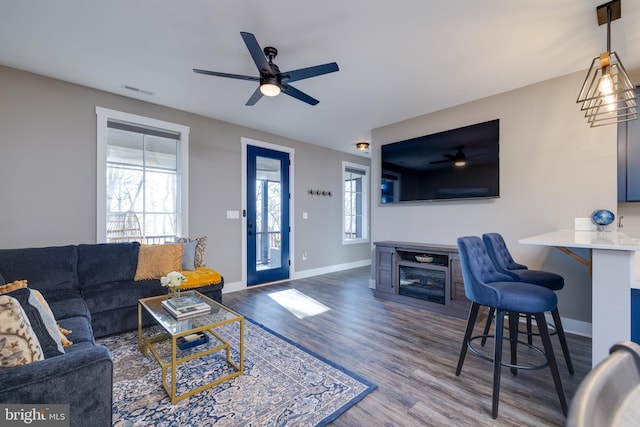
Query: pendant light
point(608, 96)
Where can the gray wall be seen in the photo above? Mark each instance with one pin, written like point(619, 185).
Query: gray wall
point(553, 168)
point(48, 175)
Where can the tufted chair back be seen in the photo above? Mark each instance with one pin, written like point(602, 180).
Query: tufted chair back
point(478, 272)
point(500, 255)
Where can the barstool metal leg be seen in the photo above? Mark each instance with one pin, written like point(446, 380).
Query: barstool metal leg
point(473, 315)
point(514, 319)
point(529, 330)
point(487, 326)
point(551, 358)
point(563, 339)
point(497, 361)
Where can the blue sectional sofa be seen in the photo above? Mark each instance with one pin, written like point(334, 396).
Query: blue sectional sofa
point(92, 292)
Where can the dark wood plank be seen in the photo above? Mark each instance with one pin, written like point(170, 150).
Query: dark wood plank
point(411, 354)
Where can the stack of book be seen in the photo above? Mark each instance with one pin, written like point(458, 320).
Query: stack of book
point(185, 306)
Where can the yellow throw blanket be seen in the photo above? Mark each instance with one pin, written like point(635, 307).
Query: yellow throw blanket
point(201, 276)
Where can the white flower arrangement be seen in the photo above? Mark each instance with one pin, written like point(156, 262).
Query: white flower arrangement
point(173, 279)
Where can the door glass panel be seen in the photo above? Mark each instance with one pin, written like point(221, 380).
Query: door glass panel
point(268, 213)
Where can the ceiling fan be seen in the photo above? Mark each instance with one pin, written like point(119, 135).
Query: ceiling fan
point(458, 159)
point(272, 81)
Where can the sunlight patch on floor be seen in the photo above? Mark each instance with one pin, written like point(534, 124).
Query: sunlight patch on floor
point(298, 304)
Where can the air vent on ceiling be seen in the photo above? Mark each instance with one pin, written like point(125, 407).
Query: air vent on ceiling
point(135, 89)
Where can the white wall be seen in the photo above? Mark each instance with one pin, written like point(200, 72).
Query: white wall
point(553, 168)
point(48, 176)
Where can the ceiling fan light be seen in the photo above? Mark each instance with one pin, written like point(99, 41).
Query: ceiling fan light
point(362, 146)
point(270, 89)
point(460, 163)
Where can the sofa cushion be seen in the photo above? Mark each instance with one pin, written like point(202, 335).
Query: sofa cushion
point(72, 307)
point(81, 331)
point(19, 344)
point(50, 270)
point(42, 322)
point(115, 295)
point(155, 261)
point(107, 262)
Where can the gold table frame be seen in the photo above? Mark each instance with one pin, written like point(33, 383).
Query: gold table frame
point(175, 329)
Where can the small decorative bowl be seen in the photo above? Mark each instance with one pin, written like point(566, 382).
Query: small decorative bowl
point(601, 218)
point(424, 258)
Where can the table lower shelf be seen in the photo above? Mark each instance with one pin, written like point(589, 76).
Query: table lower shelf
point(171, 358)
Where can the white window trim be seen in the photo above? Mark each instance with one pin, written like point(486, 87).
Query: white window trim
point(365, 204)
point(103, 116)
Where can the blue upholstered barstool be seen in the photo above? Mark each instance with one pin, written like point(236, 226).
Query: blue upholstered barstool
point(485, 286)
point(504, 263)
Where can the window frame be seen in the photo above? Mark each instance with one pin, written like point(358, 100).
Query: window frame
point(103, 115)
point(365, 202)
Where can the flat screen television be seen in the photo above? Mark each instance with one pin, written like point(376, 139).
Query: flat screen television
point(460, 163)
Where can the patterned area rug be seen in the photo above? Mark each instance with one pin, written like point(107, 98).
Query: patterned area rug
point(283, 385)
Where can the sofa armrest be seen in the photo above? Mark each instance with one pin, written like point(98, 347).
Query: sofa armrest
point(83, 379)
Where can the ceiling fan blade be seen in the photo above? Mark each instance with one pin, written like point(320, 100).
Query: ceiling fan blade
point(255, 97)
point(256, 53)
point(440, 161)
point(292, 91)
point(305, 73)
point(231, 76)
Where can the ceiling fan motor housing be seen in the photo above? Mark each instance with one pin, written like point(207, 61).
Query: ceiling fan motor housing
point(270, 52)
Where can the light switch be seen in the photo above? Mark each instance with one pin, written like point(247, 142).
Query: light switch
point(233, 214)
point(305, 215)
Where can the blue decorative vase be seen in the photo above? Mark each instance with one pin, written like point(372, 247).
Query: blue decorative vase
point(601, 218)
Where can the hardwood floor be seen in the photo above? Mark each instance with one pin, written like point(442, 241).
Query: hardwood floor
point(411, 354)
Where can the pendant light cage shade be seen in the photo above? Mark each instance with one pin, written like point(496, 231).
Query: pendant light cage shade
point(608, 96)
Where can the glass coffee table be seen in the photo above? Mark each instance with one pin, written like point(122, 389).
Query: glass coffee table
point(166, 350)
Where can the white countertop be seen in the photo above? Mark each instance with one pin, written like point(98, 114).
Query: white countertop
point(612, 240)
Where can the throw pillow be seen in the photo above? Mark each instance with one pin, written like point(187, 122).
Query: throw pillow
point(2, 281)
point(49, 315)
point(18, 342)
point(9, 287)
point(19, 284)
point(42, 322)
point(200, 247)
point(189, 255)
point(155, 261)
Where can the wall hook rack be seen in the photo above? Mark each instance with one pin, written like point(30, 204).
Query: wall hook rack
point(325, 193)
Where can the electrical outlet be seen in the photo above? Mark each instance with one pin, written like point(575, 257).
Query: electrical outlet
point(583, 224)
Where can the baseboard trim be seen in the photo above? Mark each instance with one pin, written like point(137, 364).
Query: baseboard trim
point(572, 326)
point(330, 269)
point(240, 286)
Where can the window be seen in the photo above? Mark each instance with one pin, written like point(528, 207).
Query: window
point(142, 179)
point(355, 201)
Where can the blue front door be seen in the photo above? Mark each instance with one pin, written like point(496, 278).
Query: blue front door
point(267, 215)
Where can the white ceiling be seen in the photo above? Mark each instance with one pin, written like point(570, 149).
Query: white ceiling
point(398, 59)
